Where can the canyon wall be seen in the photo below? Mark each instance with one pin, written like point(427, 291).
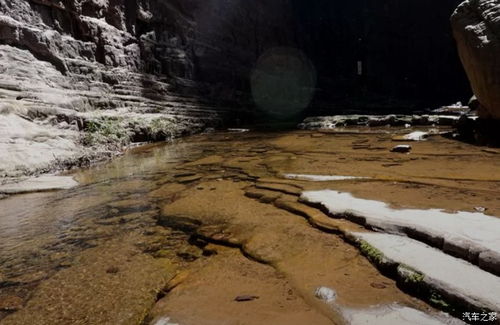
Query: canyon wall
point(125, 70)
point(476, 26)
point(182, 41)
point(80, 74)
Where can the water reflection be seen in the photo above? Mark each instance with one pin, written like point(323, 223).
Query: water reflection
point(40, 232)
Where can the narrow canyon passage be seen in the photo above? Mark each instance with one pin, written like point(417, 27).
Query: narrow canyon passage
point(217, 229)
point(249, 162)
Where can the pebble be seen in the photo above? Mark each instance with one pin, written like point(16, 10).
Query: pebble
point(326, 294)
point(245, 298)
point(401, 148)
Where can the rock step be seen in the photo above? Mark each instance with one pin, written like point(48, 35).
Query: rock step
point(318, 218)
point(404, 267)
point(139, 91)
point(264, 196)
point(177, 112)
point(169, 106)
point(313, 215)
point(440, 278)
point(418, 266)
point(134, 101)
point(141, 103)
point(471, 236)
point(39, 184)
point(279, 187)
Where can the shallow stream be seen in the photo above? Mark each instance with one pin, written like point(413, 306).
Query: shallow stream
point(192, 206)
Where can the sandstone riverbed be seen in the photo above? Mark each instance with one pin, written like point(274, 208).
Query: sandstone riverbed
point(222, 228)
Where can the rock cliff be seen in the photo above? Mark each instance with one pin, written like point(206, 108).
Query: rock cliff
point(124, 70)
point(476, 26)
point(80, 74)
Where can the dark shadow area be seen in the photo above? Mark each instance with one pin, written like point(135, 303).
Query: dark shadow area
point(381, 57)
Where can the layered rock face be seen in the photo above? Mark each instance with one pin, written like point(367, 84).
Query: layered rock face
point(476, 26)
point(130, 70)
point(179, 40)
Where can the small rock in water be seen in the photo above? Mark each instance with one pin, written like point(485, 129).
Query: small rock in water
point(245, 298)
point(480, 209)
point(401, 148)
point(326, 294)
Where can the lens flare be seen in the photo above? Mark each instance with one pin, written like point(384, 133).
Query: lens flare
point(283, 82)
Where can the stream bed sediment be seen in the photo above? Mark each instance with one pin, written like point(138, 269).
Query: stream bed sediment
point(176, 232)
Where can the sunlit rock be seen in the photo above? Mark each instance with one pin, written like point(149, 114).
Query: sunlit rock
point(464, 234)
point(476, 26)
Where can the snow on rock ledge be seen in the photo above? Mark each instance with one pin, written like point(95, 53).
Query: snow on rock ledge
point(322, 178)
point(396, 314)
point(39, 184)
point(472, 236)
point(470, 286)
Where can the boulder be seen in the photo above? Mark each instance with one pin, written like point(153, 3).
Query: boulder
point(476, 27)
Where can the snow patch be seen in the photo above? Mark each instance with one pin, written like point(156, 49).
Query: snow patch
point(479, 288)
point(38, 184)
point(416, 136)
point(396, 314)
point(321, 178)
point(473, 233)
